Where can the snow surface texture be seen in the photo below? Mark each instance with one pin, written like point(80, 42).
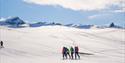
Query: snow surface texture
point(44, 44)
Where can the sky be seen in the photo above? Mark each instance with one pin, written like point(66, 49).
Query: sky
point(97, 12)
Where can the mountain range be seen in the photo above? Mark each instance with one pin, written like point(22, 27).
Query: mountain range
point(18, 22)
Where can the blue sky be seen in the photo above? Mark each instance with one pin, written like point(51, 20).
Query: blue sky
point(65, 11)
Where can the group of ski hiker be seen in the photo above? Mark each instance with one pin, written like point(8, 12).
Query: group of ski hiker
point(70, 52)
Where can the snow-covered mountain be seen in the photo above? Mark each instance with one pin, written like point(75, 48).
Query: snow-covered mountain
point(38, 24)
point(79, 26)
point(44, 44)
point(12, 22)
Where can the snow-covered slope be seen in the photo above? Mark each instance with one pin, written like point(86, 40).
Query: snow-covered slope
point(43, 44)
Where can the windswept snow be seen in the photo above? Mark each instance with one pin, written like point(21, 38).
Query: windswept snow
point(43, 44)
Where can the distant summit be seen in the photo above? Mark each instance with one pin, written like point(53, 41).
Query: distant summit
point(12, 22)
point(112, 25)
point(15, 21)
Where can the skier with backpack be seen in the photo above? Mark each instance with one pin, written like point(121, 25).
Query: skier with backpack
point(71, 52)
point(68, 52)
point(1, 44)
point(77, 52)
point(64, 53)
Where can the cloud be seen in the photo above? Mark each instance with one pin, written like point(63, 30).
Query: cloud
point(120, 10)
point(5, 18)
point(2, 19)
point(80, 4)
point(93, 16)
point(97, 16)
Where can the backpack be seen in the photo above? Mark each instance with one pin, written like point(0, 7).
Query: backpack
point(76, 49)
point(71, 49)
point(67, 50)
point(63, 50)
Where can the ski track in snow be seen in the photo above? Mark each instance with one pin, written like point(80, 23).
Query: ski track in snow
point(43, 44)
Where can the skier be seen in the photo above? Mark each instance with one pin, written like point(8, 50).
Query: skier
point(71, 52)
point(68, 52)
point(64, 53)
point(1, 44)
point(77, 52)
